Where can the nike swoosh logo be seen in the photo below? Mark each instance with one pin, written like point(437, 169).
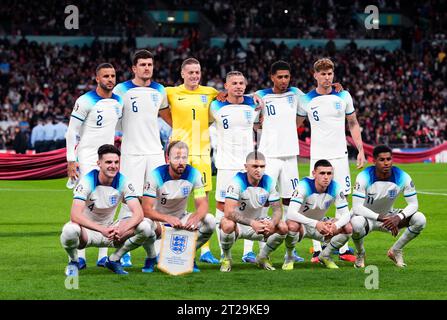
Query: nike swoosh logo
point(165, 194)
point(371, 194)
point(133, 98)
point(99, 111)
point(181, 98)
point(93, 199)
point(245, 199)
point(308, 204)
point(311, 108)
point(224, 115)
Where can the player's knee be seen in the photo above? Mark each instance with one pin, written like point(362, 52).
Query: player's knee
point(144, 229)
point(418, 221)
point(282, 228)
point(208, 223)
point(71, 232)
point(227, 225)
point(358, 225)
point(292, 225)
point(347, 229)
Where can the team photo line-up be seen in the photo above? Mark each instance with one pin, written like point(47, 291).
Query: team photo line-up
point(256, 152)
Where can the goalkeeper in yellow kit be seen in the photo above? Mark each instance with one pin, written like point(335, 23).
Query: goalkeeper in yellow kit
point(189, 105)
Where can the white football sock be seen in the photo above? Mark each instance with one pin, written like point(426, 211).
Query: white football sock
point(273, 242)
point(102, 252)
point(248, 246)
point(317, 245)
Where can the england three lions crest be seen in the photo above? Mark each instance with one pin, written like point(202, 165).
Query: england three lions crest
point(178, 243)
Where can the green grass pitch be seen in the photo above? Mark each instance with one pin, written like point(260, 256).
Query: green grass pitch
point(33, 261)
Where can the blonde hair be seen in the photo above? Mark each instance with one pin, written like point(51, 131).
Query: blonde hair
point(234, 73)
point(323, 64)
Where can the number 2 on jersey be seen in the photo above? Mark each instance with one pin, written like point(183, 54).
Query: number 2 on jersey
point(99, 120)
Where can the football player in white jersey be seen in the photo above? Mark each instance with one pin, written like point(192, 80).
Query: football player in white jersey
point(376, 189)
point(93, 120)
point(279, 138)
point(307, 210)
point(234, 120)
point(165, 200)
point(144, 100)
point(327, 111)
point(243, 215)
point(96, 198)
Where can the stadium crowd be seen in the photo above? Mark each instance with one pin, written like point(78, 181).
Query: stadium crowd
point(400, 99)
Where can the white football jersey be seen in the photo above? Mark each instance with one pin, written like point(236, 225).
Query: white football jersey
point(313, 204)
point(327, 116)
point(102, 201)
point(141, 133)
point(380, 195)
point(99, 117)
point(172, 195)
point(234, 132)
point(279, 133)
point(251, 199)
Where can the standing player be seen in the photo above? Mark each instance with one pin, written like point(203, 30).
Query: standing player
point(144, 100)
point(165, 199)
point(246, 195)
point(93, 120)
point(327, 110)
point(376, 189)
point(279, 139)
point(234, 120)
point(96, 198)
point(306, 217)
point(189, 105)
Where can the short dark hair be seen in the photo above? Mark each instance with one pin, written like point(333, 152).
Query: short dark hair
point(104, 65)
point(108, 148)
point(322, 163)
point(176, 144)
point(190, 61)
point(381, 149)
point(279, 65)
point(141, 54)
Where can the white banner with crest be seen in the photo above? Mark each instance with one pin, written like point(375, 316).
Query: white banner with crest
point(177, 251)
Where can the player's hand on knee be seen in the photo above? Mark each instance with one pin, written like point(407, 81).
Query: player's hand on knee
point(192, 224)
point(174, 222)
point(109, 232)
point(258, 226)
point(323, 228)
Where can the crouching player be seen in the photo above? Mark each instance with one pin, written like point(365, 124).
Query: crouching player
point(306, 216)
point(96, 198)
point(165, 198)
point(376, 189)
point(245, 198)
